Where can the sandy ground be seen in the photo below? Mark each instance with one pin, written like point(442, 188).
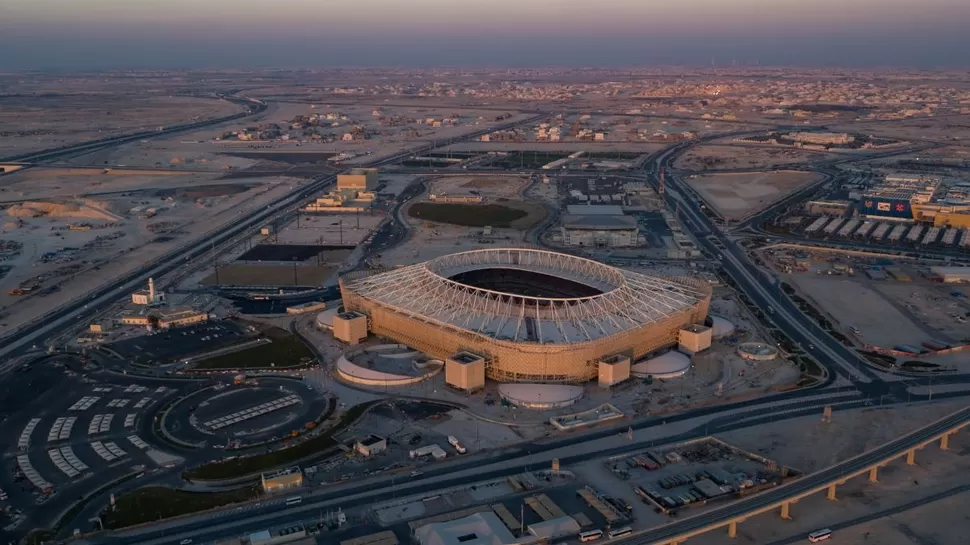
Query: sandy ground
point(932, 305)
point(852, 304)
point(329, 229)
point(736, 195)
point(54, 183)
point(943, 128)
point(499, 187)
point(177, 222)
point(40, 123)
point(722, 156)
point(898, 510)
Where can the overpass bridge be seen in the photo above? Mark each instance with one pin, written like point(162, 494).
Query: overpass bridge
point(827, 480)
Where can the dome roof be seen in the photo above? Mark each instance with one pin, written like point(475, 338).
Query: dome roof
point(541, 395)
point(668, 365)
point(721, 327)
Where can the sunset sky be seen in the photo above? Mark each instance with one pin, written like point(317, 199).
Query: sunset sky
point(307, 33)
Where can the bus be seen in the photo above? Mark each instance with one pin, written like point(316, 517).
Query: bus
point(591, 535)
point(621, 532)
point(294, 501)
point(820, 535)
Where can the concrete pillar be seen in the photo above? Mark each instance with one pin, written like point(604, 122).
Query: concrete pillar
point(911, 457)
point(945, 441)
point(874, 474)
point(733, 529)
point(830, 495)
point(784, 511)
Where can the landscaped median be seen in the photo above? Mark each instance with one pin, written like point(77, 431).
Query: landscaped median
point(254, 465)
point(154, 503)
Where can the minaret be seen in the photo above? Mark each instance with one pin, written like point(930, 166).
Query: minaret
point(151, 291)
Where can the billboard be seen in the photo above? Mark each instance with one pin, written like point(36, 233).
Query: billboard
point(890, 208)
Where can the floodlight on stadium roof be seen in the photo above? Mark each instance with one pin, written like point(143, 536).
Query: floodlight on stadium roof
point(623, 301)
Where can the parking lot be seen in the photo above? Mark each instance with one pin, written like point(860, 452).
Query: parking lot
point(73, 437)
point(664, 483)
point(174, 344)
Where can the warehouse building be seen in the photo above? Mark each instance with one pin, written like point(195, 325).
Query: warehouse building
point(358, 179)
point(600, 231)
point(951, 275)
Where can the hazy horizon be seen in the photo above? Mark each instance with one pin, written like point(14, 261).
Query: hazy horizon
point(86, 34)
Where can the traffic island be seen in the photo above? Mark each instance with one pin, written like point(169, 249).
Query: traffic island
point(251, 467)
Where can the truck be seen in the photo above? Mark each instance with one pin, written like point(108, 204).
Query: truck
point(453, 441)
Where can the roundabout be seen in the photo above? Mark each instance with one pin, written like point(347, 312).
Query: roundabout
point(244, 413)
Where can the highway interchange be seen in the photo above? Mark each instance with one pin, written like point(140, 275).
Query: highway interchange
point(851, 382)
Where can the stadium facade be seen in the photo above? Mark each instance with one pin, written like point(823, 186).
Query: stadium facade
point(525, 315)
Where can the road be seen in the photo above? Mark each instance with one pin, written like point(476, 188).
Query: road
point(805, 484)
point(82, 308)
point(866, 384)
point(878, 515)
point(254, 107)
point(239, 521)
point(866, 387)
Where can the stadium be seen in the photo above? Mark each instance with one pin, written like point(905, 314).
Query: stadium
point(525, 315)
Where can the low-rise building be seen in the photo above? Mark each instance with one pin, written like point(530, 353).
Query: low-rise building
point(600, 231)
point(951, 275)
point(181, 317)
point(371, 445)
point(284, 479)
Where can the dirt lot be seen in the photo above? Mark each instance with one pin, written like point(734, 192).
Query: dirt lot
point(497, 187)
point(724, 156)
point(736, 195)
point(63, 262)
point(933, 306)
point(921, 504)
point(38, 123)
point(852, 304)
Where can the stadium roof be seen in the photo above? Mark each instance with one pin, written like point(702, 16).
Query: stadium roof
point(628, 300)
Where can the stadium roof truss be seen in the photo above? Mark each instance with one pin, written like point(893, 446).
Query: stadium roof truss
point(628, 300)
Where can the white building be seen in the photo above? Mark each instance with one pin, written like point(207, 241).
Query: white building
point(599, 231)
point(147, 297)
point(952, 275)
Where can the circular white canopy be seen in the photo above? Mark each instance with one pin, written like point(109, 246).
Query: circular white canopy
point(669, 365)
point(721, 327)
point(540, 396)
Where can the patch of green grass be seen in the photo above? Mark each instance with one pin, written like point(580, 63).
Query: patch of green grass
point(468, 215)
point(158, 502)
point(250, 465)
point(285, 351)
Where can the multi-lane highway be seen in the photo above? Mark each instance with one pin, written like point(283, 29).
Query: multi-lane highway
point(760, 288)
point(252, 106)
point(681, 530)
point(69, 314)
point(763, 289)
